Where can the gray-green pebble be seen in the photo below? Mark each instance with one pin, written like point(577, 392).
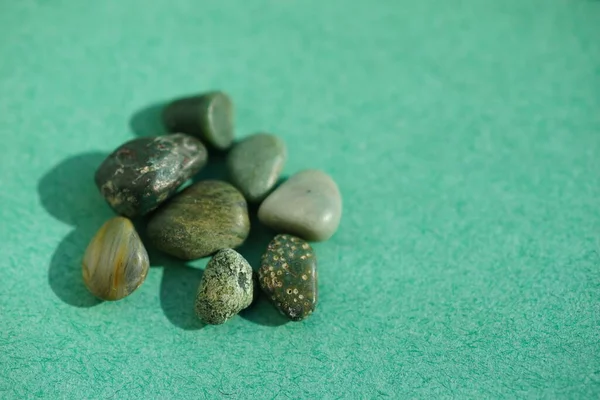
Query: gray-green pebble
point(226, 287)
point(255, 164)
point(209, 116)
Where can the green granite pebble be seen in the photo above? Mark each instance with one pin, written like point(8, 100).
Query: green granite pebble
point(209, 116)
point(255, 164)
point(205, 217)
point(226, 288)
point(288, 275)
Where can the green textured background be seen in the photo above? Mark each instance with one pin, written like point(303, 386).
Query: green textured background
point(464, 135)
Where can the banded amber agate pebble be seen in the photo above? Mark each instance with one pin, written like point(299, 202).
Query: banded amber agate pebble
point(115, 263)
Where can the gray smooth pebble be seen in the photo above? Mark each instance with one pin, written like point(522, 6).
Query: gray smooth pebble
point(308, 205)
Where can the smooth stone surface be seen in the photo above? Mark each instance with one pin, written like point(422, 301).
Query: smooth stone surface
point(255, 164)
point(115, 262)
point(226, 287)
point(288, 275)
point(205, 217)
point(209, 116)
point(141, 174)
point(308, 205)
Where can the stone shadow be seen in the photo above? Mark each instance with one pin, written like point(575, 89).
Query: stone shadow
point(69, 194)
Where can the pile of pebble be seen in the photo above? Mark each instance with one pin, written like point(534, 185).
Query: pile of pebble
point(142, 177)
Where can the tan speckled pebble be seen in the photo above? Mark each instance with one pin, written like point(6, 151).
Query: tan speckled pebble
point(308, 205)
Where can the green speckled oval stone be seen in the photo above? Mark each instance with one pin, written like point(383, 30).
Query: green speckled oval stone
point(288, 275)
point(226, 288)
point(255, 164)
point(208, 116)
point(141, 174)
point(205, 217)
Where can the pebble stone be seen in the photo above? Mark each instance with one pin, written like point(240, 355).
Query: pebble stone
point(226, 287)
point(255, 164)
point(141, 174)
point(207, 116)
point(308, 205)
point(115, 262)
point(203, 218)
point(288, 275)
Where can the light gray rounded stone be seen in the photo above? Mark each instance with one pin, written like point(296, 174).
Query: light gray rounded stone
point(308, 205)
point(226, 287)
point(255, 164)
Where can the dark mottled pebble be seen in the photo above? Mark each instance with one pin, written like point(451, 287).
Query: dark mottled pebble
point(142, 173)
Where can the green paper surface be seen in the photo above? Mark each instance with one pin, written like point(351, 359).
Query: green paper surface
point(465, 139)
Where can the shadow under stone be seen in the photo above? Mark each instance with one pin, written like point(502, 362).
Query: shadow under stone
point(148, 120)
point(261, 311)
point(178, 292)
point(69, 194)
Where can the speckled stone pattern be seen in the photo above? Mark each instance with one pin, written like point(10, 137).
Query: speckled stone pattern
point(115, 262)
point(309, 205)
point(205, 217)
point(209, 116)
point(226, 288)
point(141, 174)
point(255, 164)
point(288, 275)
